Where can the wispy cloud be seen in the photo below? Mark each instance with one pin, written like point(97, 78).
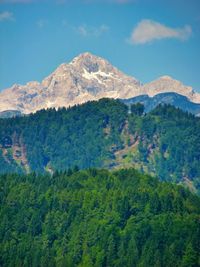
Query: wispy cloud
point(122, 1)
point(68, 1)
point(148, 30)
point(87, 31)
point(6, 16)
point(15, 1)
point(110, 1)
point(42, 23)
point(96, 1)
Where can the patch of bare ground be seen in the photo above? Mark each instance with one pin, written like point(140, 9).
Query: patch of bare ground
point(5, 155)
point(189, 184)
point(19, 152)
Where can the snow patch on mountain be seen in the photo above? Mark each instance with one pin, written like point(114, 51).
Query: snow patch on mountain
point(86, 77)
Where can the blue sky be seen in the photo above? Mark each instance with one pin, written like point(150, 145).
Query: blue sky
point(143, 38)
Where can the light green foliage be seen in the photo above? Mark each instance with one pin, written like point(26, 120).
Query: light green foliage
point(97, 218)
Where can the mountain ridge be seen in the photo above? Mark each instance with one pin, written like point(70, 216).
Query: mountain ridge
point(174, 99)
point(86, 77)
point(104, 134)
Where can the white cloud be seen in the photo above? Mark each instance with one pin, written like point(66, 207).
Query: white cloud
point(6, 16)
point(149, 30)
point(68, 1)
point(42, 23)
point(83, 30)
point(87, 31)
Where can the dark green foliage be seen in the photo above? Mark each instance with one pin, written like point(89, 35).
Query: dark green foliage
point(167, 140)
point(66, 138)
point(97, 218)
point(10, 114)
point(137, 109)
point(176, 136)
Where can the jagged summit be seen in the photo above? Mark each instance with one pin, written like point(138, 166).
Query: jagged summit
point(87, 57)
point(91, 63)
point(166, 77)
point(88, 63)
point(166, 84)
point(86, 77)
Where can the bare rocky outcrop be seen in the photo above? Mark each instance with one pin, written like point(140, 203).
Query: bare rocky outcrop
point(86, 77)
point(13, 148)
point(166, 84)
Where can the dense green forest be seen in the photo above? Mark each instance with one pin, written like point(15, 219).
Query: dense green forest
point(97, 218)
point(164, 142)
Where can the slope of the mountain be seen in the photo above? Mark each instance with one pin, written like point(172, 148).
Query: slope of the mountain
point(97, 218)
point(177, 100)
point(164, 142)
point(86, 77)
point(167, 84)
point(10, 114)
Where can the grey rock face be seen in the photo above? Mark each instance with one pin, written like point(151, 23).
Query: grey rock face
point(166, 84)
point(87, 77)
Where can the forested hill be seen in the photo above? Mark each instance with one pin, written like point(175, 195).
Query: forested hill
point(97, 218)
point(164, 142)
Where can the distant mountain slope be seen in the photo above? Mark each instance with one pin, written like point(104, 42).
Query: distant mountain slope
point(86, 77)
point(167, 84)
point(164, 142)
point(10, 114)
point(97, 218)
point(174, 99)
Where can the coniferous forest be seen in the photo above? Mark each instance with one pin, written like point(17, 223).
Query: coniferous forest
point(97, 218)
point(99, 133)
point(78, 187)
point(105, 134)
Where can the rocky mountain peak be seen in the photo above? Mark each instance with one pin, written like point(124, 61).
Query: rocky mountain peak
point(87, 59)
point(86, 77)
point(90, 63)
point(166, 84)
point(166, 78)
